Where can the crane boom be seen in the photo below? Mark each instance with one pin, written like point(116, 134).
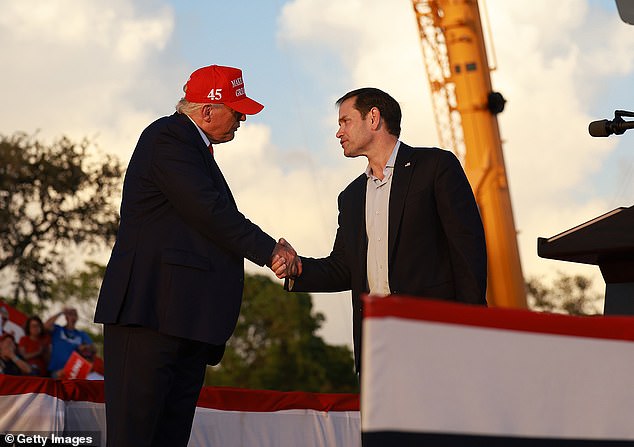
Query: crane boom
point(465, 109)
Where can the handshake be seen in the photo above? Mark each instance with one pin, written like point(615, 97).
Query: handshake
point(284, 261)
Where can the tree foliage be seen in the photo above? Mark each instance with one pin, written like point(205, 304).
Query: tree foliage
point(53, 198)
point(81, 286)
point(275, 345)
point(570, 294)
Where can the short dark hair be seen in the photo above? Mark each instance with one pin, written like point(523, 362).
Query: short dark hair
point(368, 97)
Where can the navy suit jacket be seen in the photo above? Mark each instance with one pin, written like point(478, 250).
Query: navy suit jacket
point(436, 244)
point(177, 265)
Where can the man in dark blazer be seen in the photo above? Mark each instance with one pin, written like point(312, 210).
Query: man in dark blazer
point(172, 290)
point(409, 225)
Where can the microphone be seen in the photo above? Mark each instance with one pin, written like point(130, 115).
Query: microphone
point(617, 126)
point(605, 128)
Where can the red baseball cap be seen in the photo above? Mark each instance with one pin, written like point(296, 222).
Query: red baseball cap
point(216, 84)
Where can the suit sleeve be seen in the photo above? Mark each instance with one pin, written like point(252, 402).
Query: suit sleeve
point(329, 274)
point(182, 175)
point(462, 224)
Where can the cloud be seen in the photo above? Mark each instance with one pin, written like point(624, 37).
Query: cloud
point(296, 202)
point(550, 76)
point(355, 42)
point(84, 69)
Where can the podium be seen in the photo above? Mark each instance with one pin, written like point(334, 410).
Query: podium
point(606, 241)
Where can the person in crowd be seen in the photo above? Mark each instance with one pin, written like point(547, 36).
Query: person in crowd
point(10, 361)
point(35, 346)
point(9, 327)
point(89, 352)
point(64, 339)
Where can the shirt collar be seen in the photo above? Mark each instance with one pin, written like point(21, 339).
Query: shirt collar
point(390, 162)
point(200, 131)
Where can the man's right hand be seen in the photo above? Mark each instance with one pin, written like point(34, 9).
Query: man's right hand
point(284, 260)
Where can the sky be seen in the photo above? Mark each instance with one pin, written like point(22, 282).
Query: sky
point(105, 70)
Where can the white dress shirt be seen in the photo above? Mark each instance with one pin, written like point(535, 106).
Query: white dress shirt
point(377, 203)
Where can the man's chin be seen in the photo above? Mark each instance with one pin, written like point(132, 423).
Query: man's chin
point(224, 139)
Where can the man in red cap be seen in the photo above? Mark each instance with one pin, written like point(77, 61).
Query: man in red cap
point(172, 290)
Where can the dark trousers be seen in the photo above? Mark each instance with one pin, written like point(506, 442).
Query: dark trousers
point(152, 382)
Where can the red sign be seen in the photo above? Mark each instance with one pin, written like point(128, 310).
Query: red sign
point(76, 367)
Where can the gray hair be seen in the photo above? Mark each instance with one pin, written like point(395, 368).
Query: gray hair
point(190, 108)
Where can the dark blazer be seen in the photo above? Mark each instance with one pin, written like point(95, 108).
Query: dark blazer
point(178, 262)
point(436, 245)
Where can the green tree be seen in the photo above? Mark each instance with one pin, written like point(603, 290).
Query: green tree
point(81, 286)
point(53, 198)
point(570, 294)
point(78, 288)
point(275, 345)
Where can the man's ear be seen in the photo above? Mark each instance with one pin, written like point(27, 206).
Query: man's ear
point(207, 112)
point(375, 118)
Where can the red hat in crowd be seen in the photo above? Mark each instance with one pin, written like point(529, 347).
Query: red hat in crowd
point(216, 84)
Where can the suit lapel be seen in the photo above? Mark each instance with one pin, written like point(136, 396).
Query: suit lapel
point(214, 169)
point(403, 169)
point(222, 180)
point(357, 215)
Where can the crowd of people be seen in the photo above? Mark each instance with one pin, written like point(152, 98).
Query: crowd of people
point(43, 348)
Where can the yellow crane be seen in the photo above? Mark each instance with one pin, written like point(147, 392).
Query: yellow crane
point(465, 108)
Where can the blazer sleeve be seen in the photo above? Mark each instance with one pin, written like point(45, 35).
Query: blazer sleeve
point(460, 218)
point(180, 171)
point(329, 274)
